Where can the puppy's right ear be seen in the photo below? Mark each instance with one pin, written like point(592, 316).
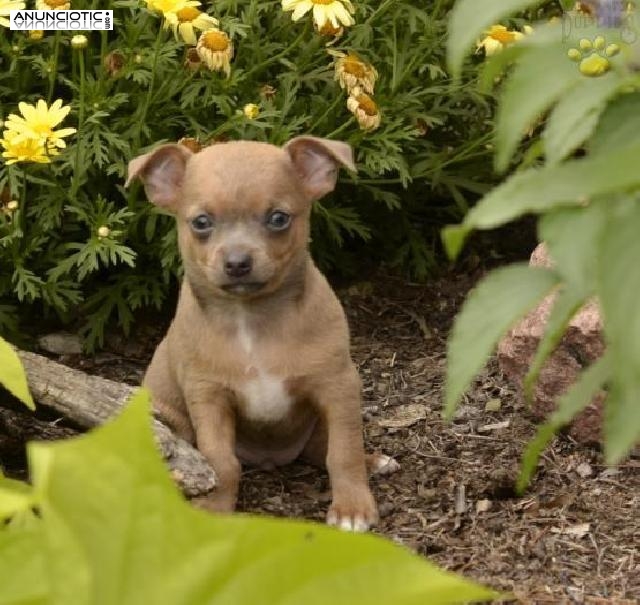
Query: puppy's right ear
point(162, 172)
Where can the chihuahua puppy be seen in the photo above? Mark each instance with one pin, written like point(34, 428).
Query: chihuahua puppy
point(255, 368)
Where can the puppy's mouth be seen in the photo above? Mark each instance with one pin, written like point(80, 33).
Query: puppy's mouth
point(242, 288)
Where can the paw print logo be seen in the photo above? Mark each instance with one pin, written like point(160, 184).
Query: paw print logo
point(593, 56)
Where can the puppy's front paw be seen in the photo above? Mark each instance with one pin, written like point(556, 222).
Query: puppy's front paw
point(215, 503)
point(353, 511)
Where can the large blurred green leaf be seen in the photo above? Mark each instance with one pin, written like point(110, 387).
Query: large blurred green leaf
point(617, 126)
point(575, 117)
point(501, 298)
point(23, 579)
point(113, 530)
point(619, 293)
point(538, 190)
point(12, 375)
point(571, 236)
point(469, 18)
point(541, 75)
point(577, 398)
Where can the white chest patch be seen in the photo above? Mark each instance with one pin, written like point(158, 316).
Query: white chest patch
point(265, 398)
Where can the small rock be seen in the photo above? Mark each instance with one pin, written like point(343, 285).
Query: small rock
point(580, 346)
point(483, 506)
point(61, 343)
point(584, 470)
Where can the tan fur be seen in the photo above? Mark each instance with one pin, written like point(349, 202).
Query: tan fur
point(265, 376)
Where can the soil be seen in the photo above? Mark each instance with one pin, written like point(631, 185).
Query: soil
point(573, 537)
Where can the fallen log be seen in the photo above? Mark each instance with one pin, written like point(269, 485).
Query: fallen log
point(91, 400)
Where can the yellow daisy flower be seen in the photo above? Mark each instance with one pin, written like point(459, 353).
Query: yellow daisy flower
point(498, 36)
point(353, 72)
point(53, 5)
point(329, 31)
point(25, 150)
point(335, 12)
point(216, 50)
point(6, 6)
point(36, 34)
point(186, 20)
point(364, 108)
point(38, 122)
point(170, 6)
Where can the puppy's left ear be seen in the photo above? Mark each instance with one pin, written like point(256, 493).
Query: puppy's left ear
point(317, 161)
point(162, 172)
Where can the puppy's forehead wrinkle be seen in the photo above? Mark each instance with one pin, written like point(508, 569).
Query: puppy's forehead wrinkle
point(242, 169)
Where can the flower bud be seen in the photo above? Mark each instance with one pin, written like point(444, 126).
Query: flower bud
point(79, 41)
point(251, 111)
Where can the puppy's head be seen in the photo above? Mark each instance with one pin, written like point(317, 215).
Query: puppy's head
point(242, 208)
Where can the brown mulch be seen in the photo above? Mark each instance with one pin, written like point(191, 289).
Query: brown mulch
point(573, 537)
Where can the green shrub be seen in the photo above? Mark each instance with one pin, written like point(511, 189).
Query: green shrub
point(103, 523)
point(580, 175)
point(79, 244)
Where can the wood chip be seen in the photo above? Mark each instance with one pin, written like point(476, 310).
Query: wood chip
point(487, 428)
point(577, 531)
point(404, 416)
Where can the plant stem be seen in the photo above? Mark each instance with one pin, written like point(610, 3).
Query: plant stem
point(54, 68)
point(76, 165)
point(340, 128)
point(326, 113)
point(147, 99)
point(279, 56)
point(376, 13)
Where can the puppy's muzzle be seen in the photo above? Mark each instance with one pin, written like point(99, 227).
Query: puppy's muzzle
point(238, 264)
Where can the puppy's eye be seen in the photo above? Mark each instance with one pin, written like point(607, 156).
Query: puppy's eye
point(278, 220)
point(202, 224)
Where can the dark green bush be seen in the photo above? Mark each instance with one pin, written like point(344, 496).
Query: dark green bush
point(79, 245)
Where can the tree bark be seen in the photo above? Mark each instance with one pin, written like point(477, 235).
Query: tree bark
point(91, 400)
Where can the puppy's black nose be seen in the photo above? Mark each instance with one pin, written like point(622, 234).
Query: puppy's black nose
point(238, 264)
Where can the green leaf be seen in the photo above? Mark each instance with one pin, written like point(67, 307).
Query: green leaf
point(469, 18)
point(576, 115)
point(15, 497)
point(571, 403)
point(566, 305)
point(539, 190)
point(541, 76)
point(113, 530)
point(22, 574)
point(619, 291)
point(572, 236)
point(12, 375)
point(453, 238)
point(621, 118)
point(501, 299)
